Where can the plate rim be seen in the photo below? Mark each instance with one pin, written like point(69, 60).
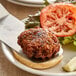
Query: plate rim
point(25, 4)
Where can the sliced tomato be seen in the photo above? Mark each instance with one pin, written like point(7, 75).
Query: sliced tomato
point(59, 18)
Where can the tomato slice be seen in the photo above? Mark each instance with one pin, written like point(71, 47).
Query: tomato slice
point(59, 18)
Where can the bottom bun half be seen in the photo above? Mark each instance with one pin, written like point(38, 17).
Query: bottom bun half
point(42, 65)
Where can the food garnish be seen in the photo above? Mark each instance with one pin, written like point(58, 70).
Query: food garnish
point(71, 65)
point(59, 1)
point(68, 39)
point(60, 18)
point(33, 21)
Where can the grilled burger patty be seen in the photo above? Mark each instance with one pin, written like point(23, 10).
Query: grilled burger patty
point(39, 43)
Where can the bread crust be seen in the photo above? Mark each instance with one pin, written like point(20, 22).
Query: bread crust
point(34, 65)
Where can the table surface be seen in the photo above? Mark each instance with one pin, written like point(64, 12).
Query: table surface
point(7, 68)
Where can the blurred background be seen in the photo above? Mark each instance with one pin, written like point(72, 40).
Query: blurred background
point(19, 10)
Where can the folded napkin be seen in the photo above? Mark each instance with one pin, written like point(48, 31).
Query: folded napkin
point(10, 28)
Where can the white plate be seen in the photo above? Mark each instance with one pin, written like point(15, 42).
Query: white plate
point(35, 1)
point(25, 4)
point(69, 52)
point(32, 3)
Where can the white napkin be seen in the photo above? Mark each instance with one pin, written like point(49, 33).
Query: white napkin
point(3, 12)
point(10, 28)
